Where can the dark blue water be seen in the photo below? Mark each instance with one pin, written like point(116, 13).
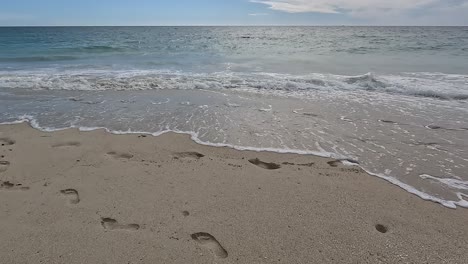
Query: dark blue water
point(395, 99)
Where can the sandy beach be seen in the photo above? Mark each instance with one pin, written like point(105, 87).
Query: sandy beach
point(94, 197)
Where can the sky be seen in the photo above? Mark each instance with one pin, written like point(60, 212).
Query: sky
point(232, 12)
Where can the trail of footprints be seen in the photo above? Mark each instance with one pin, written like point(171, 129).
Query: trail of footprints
point(334, 163)
point(4, 165)
point(204, 240)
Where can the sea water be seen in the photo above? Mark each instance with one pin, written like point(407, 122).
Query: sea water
point(393, 100)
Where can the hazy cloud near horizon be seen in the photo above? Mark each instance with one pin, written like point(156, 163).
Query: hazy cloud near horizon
point(409, 9)
point(355, 6)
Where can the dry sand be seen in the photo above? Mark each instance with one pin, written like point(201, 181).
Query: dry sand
point(92, 197)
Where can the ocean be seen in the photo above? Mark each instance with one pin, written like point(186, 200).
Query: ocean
point(393, 100)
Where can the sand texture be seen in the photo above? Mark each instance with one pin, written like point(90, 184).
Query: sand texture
point(93, 197)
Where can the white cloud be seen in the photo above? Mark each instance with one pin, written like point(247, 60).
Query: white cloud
point(297, 6)
point(258, 14)
point(358, 8)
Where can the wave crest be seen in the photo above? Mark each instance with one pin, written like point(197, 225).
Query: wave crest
point(435, 86)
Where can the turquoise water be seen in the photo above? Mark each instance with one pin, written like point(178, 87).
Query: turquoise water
point(393, 99)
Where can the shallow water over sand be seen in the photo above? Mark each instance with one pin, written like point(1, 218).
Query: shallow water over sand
point(391, 136)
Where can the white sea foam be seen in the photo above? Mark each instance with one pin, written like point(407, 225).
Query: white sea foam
point(445, 87)
point(452, 183)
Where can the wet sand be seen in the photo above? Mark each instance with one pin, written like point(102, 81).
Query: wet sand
point(94, 197)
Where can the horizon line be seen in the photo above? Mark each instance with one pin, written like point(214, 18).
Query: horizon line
point(201, 25)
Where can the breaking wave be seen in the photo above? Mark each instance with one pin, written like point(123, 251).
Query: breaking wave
point(436, 86)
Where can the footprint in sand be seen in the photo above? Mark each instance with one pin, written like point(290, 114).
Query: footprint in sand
point(4, 165)
point(188, 155)
point(185, 213)
point(119, 155)
point(12, 187)
point(381, 228)
point(72, 195)
point(67, 144)
point(7, 141)
point(388, 122)
point(112, 224)
point(265, 165)
point(209, 242)
point(336, 163)
point(310, 114)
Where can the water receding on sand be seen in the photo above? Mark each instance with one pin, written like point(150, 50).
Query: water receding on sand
point(401, 138)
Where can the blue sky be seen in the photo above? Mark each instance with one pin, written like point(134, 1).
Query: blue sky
point(233, 12)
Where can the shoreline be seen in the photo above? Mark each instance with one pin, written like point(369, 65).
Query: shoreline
point(95, 197)
point(452, 204)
